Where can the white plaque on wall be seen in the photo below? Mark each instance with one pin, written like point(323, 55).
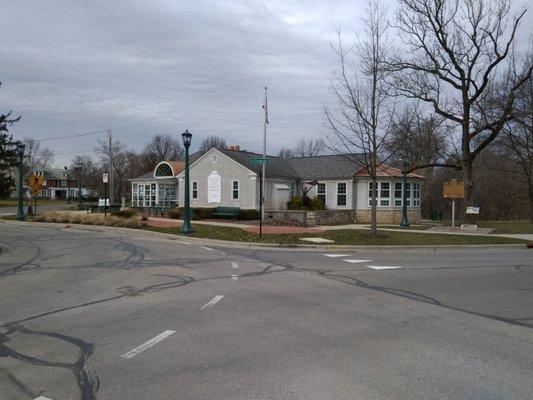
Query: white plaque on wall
point(214, 188)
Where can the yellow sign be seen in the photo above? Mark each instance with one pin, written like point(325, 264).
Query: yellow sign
point(36, 182)
point(454, 189)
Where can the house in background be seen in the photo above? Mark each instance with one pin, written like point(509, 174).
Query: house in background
point(228, 178)
point(57, 184)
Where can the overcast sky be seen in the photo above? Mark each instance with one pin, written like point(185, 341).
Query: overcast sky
point(147, 67)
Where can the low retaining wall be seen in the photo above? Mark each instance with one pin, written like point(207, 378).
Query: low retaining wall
point(387, 216)
point(311, 218)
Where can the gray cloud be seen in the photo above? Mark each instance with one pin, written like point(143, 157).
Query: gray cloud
point(145, 67)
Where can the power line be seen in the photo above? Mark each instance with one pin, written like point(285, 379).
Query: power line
point(69, 137)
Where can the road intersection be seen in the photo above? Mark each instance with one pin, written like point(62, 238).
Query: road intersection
point(100, 315)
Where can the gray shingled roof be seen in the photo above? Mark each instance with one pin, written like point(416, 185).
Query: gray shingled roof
point(319, 167)
point(147, 176)
point(326, 167)
point(307, 168)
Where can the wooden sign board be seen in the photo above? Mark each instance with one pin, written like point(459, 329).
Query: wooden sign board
point(454, 189)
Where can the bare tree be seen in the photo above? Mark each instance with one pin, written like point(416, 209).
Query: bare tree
point(362, 118)
point(455, 49)
point(423, 139)
point(212, 141)
point(308, 147)
point(37, 156)
point(112, 155)
point(518, 137)
point(285, 152)
point(161, 148)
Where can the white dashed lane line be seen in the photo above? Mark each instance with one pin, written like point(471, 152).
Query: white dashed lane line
point(148, 344)
point(212, 302)
point(379, 267)
point(43, 398)
point(207, 248)
point(234, 265)
point(336, 255)
point(180, 242)
point(356, 261)
point(234, 277)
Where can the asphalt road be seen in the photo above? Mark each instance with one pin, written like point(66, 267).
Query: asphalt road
point(91, 315)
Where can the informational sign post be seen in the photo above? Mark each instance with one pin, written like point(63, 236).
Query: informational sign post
point(105, 180)
point(453, 190)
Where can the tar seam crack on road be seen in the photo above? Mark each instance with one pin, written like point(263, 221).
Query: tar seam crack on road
point(86, 380)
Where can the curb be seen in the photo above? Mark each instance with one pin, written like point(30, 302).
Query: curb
point(259, 246)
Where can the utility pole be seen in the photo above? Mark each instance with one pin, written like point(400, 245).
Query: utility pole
point(110, 168)
point(263, 170)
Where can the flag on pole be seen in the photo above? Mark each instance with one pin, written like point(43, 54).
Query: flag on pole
point(265, 107)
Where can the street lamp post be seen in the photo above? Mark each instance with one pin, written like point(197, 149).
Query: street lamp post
point(186, 228)
point(68, 185)
point(20, 211)
point(405, 220)
point(78, 167)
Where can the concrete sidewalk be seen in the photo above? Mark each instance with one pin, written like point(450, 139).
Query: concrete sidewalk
point(165, 222)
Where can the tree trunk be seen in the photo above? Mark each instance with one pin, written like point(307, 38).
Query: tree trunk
point(374, 213)
point(468, 181)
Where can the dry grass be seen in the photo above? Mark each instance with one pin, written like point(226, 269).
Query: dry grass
point(81, 217)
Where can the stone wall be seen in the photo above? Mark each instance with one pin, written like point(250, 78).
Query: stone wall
point(311, 218)
point(388, 216)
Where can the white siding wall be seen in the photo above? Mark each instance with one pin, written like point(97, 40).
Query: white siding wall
point(229, 170)
point(331, 194)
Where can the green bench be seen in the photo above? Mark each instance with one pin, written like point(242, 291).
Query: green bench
point(226, 212)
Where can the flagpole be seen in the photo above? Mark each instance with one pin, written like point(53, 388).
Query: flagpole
point(265, 121)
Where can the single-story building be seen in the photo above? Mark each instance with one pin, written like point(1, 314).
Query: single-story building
point(228, 178)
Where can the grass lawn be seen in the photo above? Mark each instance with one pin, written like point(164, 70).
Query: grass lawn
point(342, 237)
point(519, 226)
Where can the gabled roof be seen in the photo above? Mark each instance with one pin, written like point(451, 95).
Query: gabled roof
point(326, 167)
point(384, 171)
point(317, 167)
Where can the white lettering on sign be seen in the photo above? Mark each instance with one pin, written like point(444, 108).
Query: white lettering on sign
point(472, 210)
point(214, 188)
point(105, 177)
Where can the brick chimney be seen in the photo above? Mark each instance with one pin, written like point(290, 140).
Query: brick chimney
point(234, 147)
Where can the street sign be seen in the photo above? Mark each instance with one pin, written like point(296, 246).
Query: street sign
point(472, 210)
point(454, 189)
point(36, 182)
point(260, 160)
point(105, 177)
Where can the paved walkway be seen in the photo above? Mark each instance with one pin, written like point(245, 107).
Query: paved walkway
point(165, 222)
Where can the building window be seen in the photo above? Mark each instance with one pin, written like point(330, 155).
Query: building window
point(398, 194)
point(382, 194)
point(321, 192)
point(64, 183)
point(341, 193)
point(293, 189)
point(235, 190)
point(416, 194)
point(134, 195)
point(195, 190)
point(153, 193)
point(214, 158)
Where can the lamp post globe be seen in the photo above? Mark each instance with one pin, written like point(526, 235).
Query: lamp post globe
point(405, 220)
point(186, 228)
point(20, 208)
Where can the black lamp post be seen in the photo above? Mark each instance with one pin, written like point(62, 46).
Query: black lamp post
point(68, 185)
point(78, 168)
point(186, 228)
point(20, 211)
point(405, 220)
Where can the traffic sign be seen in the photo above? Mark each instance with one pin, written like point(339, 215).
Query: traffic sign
point(260, 160)
point(105, 177)
point(35, 181)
